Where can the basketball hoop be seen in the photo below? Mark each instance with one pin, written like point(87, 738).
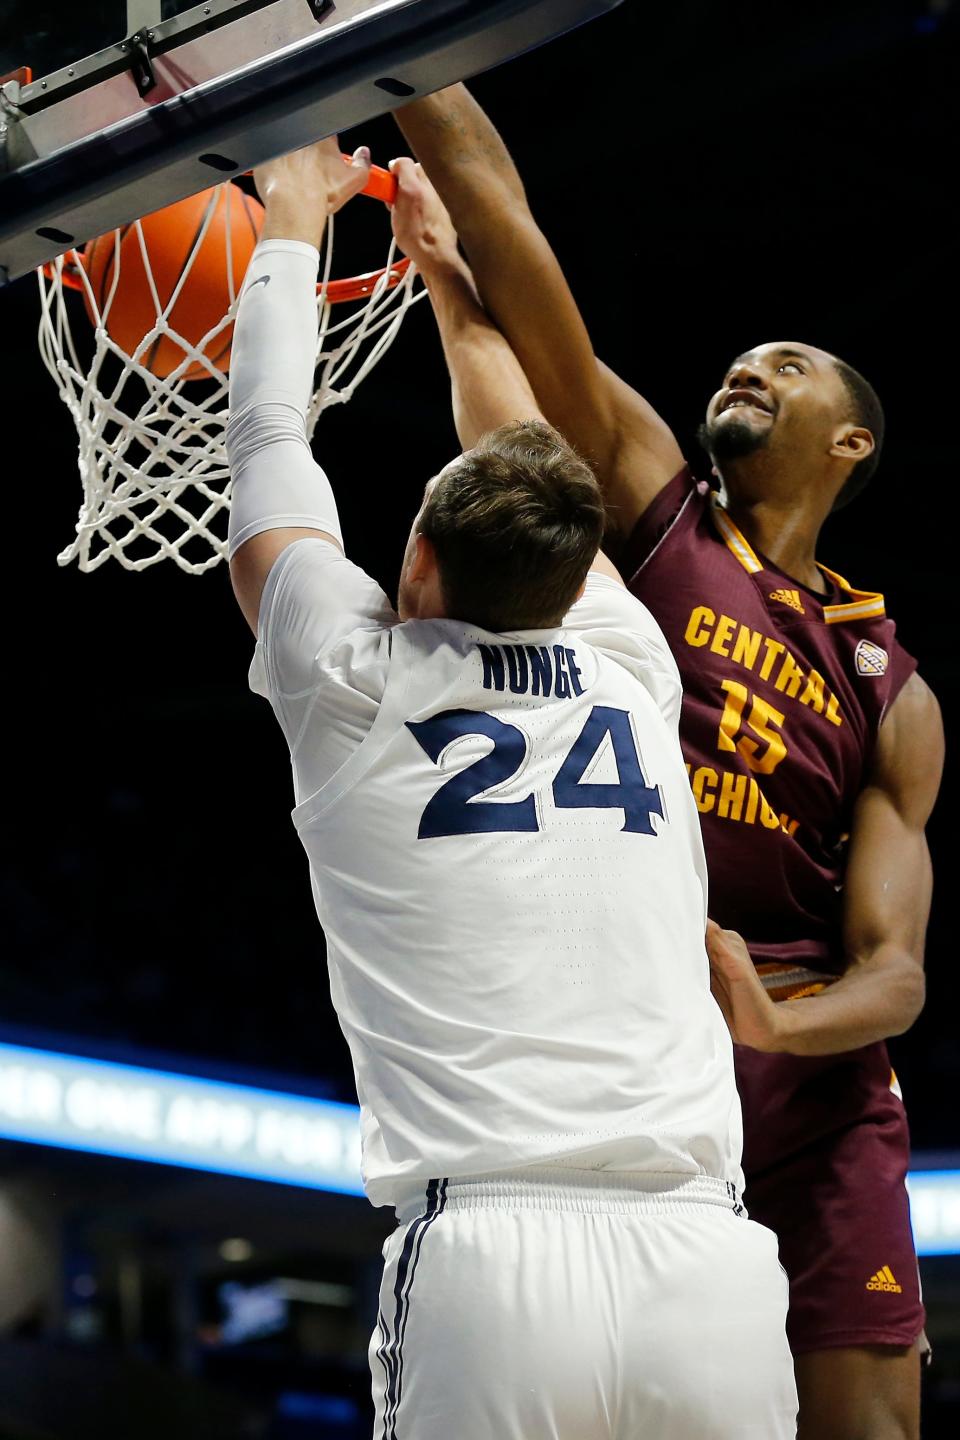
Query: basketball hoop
point(152, 453)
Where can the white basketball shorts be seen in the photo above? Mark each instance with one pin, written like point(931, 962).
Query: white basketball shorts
point(581, 1305)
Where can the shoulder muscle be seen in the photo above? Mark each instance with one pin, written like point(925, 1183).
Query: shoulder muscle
point(908, 760)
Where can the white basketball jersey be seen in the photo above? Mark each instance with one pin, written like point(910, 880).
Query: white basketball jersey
point(510, 877)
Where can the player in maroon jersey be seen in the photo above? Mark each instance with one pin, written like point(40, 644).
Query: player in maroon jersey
point(815, 753)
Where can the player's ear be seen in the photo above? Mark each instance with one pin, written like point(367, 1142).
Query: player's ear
point(423, 560)
point(421, 590)
point(852, 442)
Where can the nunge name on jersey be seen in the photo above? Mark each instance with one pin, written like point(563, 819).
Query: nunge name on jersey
point(754, 651)
point(531, 669)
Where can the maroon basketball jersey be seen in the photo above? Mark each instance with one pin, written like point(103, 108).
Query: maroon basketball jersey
point(784, 692)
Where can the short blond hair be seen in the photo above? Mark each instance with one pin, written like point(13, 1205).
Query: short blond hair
point(515, 525)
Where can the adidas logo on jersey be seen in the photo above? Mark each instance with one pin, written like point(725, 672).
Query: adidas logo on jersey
point(788, 597)
point(884, 1280)
point(871, 659)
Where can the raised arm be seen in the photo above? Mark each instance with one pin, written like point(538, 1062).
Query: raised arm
point(280, 494)
point(523, 288)
point(489, 387)
point(887, 894)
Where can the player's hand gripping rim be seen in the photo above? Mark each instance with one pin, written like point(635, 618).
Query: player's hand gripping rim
point(311, 183)
point(421, 225)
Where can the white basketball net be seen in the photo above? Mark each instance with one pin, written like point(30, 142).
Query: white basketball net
point(152, 455)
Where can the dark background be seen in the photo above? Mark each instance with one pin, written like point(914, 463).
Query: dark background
point(712, 176)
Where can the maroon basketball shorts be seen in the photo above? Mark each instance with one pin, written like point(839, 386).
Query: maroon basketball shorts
point(826, 1148)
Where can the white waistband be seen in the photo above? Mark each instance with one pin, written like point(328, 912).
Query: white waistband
point(545, 1187)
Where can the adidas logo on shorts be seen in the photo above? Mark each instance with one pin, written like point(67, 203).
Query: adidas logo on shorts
point(884, 1280)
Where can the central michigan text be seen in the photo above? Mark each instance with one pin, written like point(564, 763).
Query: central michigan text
point(768, 657)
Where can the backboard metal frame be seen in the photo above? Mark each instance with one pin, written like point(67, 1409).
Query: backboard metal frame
point(182, 109)
point(148, 37)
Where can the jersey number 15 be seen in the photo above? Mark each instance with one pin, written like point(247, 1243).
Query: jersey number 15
point(455, 809)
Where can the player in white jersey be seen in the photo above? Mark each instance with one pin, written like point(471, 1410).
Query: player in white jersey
point(507, 865)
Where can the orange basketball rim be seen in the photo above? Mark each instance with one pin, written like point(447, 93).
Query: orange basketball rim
point(203, 300)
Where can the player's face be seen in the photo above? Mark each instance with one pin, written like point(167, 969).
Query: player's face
point(779, 391)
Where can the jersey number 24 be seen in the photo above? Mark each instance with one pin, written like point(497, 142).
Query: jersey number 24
point(455, 810)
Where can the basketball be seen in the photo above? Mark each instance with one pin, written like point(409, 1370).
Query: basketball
point(179, 246)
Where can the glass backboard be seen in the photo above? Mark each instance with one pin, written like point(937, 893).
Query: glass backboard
point(115, 109)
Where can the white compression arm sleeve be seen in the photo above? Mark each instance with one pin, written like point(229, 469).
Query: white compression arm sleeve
point(276, 481)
